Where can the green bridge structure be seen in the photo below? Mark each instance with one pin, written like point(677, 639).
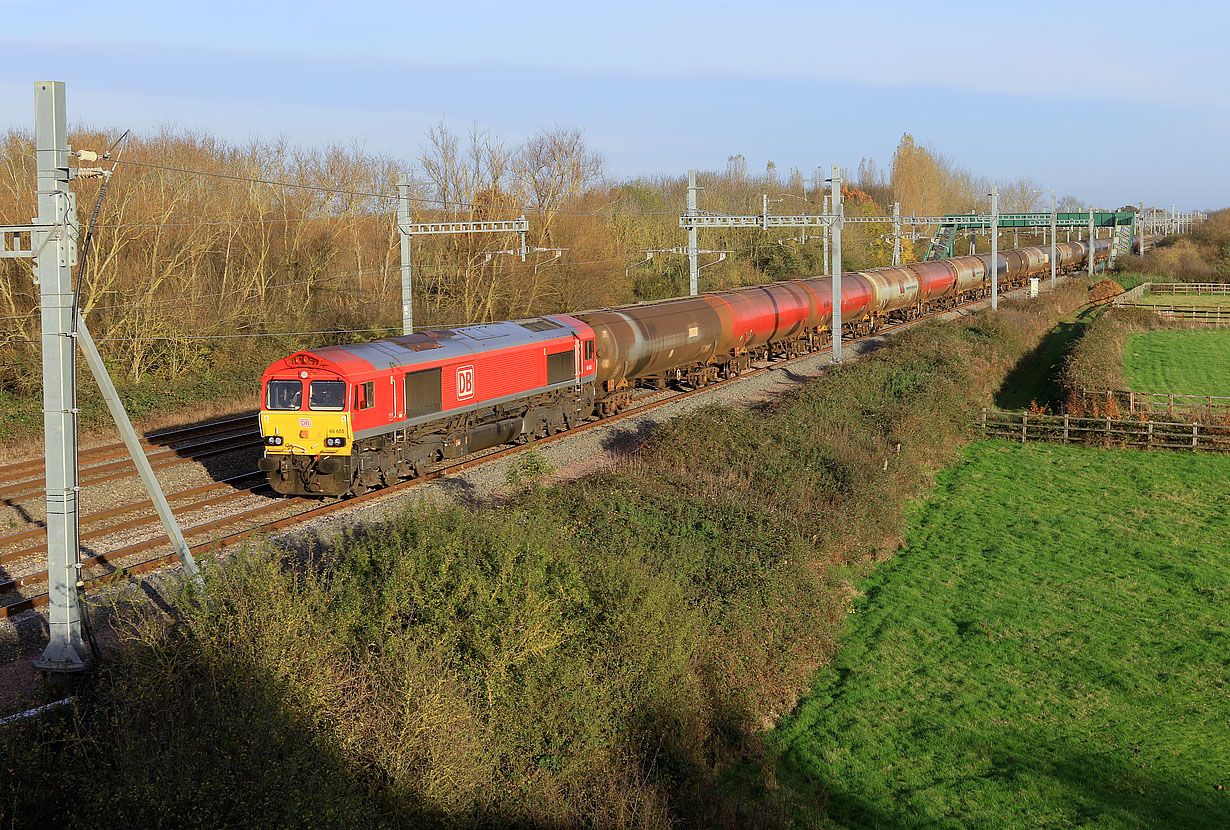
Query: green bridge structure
point(1123, 223)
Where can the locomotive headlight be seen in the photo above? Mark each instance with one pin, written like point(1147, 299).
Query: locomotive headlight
point(335, 442)
point(274, 440)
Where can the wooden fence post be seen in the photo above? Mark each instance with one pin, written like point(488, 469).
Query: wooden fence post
point(1024, 425)
point(1131, 401)
point(984, 418)
point(1195, 427)
point(1065, 427)
point(1170, 404)
point(1149, 441)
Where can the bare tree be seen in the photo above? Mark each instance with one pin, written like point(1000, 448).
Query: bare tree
point(1019, 195)
point(554, 166)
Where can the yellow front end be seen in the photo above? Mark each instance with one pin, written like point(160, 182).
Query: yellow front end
point(307, 433)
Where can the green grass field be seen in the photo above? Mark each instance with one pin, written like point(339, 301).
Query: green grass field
point(1178, 361)
point(1129, 279)
point(1050, 650)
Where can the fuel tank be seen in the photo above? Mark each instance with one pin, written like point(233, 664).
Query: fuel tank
point(643, 340)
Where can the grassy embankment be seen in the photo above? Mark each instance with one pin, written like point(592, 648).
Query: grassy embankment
point(597, 653)
point(1125, 348)
point(152, 400)
point(1034, 380)
point(1130, 279)
point(1110, 348)
point(1048, 650)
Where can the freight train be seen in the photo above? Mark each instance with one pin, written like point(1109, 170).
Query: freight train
point(341, 420)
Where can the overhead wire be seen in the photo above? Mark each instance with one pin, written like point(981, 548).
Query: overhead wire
point(254, 180)
point(247, 290)
point(321, 189)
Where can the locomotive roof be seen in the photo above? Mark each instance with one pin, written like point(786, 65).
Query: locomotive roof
point(434, 346)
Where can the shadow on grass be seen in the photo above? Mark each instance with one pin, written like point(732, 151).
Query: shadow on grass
point(1036, 376)
point(1027, 784)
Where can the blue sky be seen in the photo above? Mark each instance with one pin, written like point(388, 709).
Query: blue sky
point(1111, 102)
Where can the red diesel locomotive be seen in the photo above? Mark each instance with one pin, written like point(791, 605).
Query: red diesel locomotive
point(342, 419)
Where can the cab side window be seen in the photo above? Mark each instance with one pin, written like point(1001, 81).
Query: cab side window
point(365, 395)
point(589, 350)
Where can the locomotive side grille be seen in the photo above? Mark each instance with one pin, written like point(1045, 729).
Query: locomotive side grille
point(560, 367)
point(423, 392)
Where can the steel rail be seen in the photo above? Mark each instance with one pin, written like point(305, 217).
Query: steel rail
point(105, 451)
point(38, 527)
point(140, 521)
point(169, 457)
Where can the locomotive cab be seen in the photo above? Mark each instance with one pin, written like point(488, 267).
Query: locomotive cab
point(306, 416)
point(306, 424)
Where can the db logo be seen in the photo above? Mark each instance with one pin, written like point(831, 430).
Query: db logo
point(465, 382)
point(305, 423)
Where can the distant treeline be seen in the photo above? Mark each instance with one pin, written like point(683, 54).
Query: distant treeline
point(179, 255)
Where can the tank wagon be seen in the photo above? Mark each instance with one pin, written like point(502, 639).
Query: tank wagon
point(341, 420)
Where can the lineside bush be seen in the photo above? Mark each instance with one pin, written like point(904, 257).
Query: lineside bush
point(1203, 255)
point(596, 653)
point(1095, 363)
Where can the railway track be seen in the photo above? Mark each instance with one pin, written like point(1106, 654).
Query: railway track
point(23, 480)
point(250, 507)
